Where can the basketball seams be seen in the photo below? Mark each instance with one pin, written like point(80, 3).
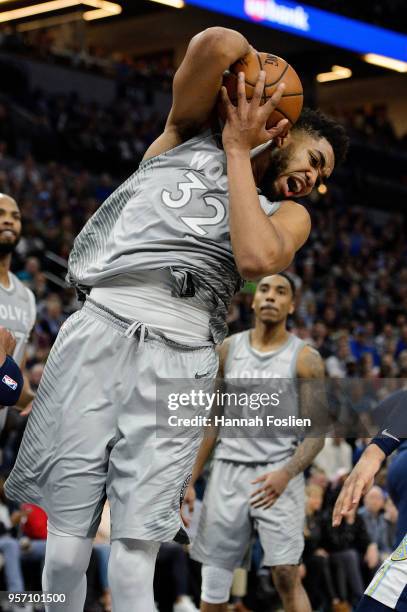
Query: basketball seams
point(256, 63)
point(287, 66)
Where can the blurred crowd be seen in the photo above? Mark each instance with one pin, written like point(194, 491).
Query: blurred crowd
point(351, 280)
point(45, 44)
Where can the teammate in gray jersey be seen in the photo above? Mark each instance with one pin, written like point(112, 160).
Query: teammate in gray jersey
point(257, 483)
point(160, 260)
point(17, 302)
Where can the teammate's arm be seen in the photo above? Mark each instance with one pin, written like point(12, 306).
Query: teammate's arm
point(27, 394)
point(261, 245)
point(361, 478)
point(310, 367)
point(197, 83)
point(208, 441)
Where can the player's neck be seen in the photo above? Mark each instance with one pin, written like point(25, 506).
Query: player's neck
point(268, 337)
point(5, 262)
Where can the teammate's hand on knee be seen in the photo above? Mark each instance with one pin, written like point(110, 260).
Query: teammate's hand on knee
point(7, 343)
point(188, 502)
point(26, 410)
point(273, 485)
point(245, 126)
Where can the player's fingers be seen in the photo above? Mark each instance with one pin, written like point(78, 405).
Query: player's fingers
point(270, 504)
point(258, 90)
point(337, 514)
point(227, 104)
point(280, 129)
point(265, 501)
point(257, 492)
point(345, 500)
point(279, 132)
point(272, 102)
point(241, 95)
point(358, 489)
point(259, 479)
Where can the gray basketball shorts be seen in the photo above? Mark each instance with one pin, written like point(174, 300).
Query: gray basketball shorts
point(228, 522)
point(92, 430)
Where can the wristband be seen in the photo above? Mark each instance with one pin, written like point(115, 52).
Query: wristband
point(11, 382)
point(386, 442)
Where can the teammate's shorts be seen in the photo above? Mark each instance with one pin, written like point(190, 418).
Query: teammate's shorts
point(92, 430)
point(227, 522)
point(389, 585)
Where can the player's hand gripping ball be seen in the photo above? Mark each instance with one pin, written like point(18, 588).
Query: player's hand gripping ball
point(277, 71)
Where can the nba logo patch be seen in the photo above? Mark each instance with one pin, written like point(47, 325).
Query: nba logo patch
point(9, 382)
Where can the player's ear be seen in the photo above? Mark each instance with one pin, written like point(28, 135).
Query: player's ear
point(292, 308)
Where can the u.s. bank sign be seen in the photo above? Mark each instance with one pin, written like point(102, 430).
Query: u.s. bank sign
point(313, 23)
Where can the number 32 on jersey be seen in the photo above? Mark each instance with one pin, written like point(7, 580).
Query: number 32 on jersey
point(186, 189)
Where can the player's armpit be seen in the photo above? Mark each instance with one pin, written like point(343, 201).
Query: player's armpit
point(197, 83)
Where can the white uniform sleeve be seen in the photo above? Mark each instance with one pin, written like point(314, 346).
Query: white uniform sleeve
point(269, 207)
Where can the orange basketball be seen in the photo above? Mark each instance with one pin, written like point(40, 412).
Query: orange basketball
point(277, 71)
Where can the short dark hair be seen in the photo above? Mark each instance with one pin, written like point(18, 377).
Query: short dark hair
point(320, 125)
point(290, 282)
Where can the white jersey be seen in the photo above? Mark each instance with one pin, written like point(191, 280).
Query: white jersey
point(172, 214)
point(17, 313)
point(243, 362)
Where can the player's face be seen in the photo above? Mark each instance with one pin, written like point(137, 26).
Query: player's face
point(273, 300)
point(295, 169)
point(10, 225)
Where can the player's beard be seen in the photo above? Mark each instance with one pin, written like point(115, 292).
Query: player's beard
point(8, 247)
point(279, 159)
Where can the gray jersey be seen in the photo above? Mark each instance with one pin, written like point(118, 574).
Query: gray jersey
point(172, 213)
point(17, 313)
point(245, 363)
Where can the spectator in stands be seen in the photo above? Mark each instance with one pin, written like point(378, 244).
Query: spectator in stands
point(372, 514)
point(318, 580)
point(9, 548)
point(335, 456)
point(347, 545)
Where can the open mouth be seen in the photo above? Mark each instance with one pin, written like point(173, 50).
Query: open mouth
point(7, 233)
point(295, 185)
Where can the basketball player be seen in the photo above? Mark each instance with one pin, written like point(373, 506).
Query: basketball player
point(160, 260)
point(258, 482)
point(17, 302)
point(388, 589)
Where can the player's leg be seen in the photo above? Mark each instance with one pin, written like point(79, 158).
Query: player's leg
point(224, 532)
point(66, 561)
point(281, 533)
point(216, 585)
point(288, 583)
point(63, 460)
point(131, 574)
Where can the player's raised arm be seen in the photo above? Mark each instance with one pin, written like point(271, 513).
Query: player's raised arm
point(261, 245)
point(197, 83)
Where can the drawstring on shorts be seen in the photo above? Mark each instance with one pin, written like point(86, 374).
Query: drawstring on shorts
point(133, 329)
